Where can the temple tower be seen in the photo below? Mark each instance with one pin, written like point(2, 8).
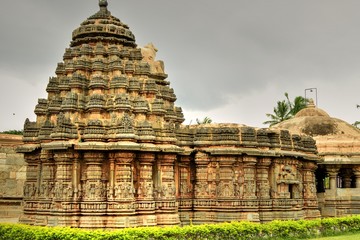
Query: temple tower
point(108, 99)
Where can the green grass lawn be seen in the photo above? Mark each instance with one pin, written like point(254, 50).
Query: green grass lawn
point(351, 236)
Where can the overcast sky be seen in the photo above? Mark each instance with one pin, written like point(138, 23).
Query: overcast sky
point(229, 60)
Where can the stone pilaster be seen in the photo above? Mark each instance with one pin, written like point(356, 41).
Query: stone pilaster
point(145, 189)
point(225, 188)
point(205, 187)
point(333, 171)
point(65, 204)
point(123, 185)
point(357, 175)
point(93, 182)
point(63, 189)
point(202, 186)
point(262, 178)
point(166, 205)
point(47, 182)
point(249, 177)
point(121, 198)
point(311, 206)
point(263, 187)
point(186, 176)
point(94, 185)
point(31, 186)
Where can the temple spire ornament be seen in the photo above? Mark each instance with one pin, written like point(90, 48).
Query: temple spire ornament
point(103, 3)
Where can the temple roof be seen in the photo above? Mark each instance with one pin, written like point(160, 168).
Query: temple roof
point(312, 111)
point(333, 136)
point(314, 121)
point(106, 89)
point(103, 26)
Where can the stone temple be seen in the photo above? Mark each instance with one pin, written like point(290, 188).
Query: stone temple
point(108, 148)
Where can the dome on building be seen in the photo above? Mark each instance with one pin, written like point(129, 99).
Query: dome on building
point(333, 136)
point(314, 121)
point(312, 111)
point(102, 26)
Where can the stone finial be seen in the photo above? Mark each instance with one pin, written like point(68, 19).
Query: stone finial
point(311, 103)
point(103, 4)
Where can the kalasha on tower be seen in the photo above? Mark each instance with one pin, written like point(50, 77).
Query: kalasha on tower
point(108, 148)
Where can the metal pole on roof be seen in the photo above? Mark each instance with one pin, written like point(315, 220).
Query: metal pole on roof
point(312, 90)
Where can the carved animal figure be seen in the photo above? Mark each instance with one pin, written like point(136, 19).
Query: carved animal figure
point(149, 54)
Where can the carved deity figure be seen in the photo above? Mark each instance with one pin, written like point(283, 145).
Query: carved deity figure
point(149, 54)
point(287, 173)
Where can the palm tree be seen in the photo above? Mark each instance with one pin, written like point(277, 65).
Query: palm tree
point(298, 104)
point(356, 124)
point(204, 121)
point(286, 109)
point(281, 113)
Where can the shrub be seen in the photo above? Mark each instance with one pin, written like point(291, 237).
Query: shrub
point(235, 230)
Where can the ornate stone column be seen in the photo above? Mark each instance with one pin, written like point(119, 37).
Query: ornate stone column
point(65, 207)
point(263, 188)
point(249, 177)
point(311, 206)
point(202, 192)
point(123, 185)
point(186, 176)
point(145, 189)
point(63, 190)
point(226, 198)
point(93, 184)
point(31, 186)
point(166, 205)
point(47, 181)
point(121, 199)
point(262, 178)
point(356, 169)
point(225, 188)
point(347, 178)
point(332, 170)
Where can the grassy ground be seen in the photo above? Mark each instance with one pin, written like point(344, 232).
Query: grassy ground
point(353, 236)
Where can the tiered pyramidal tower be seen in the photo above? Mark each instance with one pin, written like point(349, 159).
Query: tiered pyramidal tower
point(108, 148)
point(108, 99)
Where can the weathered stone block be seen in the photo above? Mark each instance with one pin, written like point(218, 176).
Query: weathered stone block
point(21, 173)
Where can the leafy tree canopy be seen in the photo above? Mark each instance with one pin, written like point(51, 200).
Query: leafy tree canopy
point(286, 109)
point(15, 132)
point(204, 121)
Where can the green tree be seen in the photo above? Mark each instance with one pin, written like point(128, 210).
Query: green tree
point(204, 121)
point(15, 132)
point(298, 104)
point(281, 113)
point(286, 109)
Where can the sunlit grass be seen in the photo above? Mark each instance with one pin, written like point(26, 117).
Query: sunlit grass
point(354, 236)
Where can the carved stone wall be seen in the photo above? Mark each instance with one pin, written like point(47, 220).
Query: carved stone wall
point(12, 178)
point(246, 178)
